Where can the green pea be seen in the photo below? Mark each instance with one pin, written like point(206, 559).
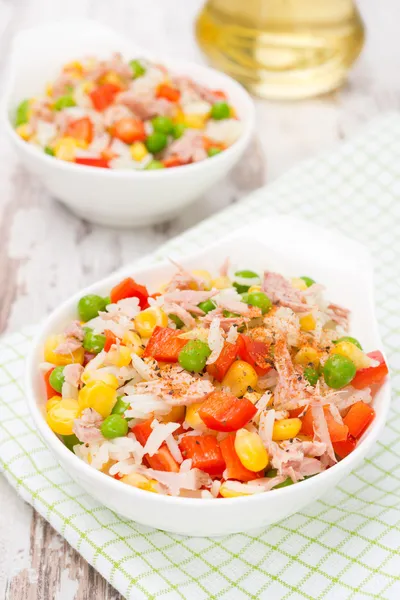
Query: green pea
point(241, 289)
point(220, 110)
point(207, 306)
point(137, 68)
point(114, 426)
point(22, 113)
point(213, 151)
point(178, 322)
point(107, 300)
point(64, 102)
point(285, 483)
point(245, 297)
point(348, 338)
point(307, 280)
point(177, 130)
point(194, 355)
point(156, 142)
point(260, 300)
point(312, 375)
point(154, 164)
point(162, 124)
point(57, 379)
point(92, 342)
point(228, 314)
point(247, 274)
point(120, 406)
point(271, 473)
point(338, 371)
point(89, 306)
point(49, 151)
point(70, 441)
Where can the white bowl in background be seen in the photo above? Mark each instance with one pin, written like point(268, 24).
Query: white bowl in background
point(119, 198)
point(283, 244)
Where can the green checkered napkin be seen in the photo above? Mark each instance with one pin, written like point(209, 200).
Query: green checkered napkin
point(346, 545)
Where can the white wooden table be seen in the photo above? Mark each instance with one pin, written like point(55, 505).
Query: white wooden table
point(46, 253)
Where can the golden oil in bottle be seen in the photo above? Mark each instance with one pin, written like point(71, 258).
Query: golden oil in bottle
point(283, 49)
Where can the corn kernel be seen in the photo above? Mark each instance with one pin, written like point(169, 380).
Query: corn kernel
point(175, 415)
point(138, 151)
point(119, 357)
point(133, 341)
point(49, 90)
point(351, 351)
point(195, 121)
point(147, 320)
point(141, 482)
point(286, 429)
point(179, 116)
point(250, 450)
point(228, 493)
point(240, 376)
point(222, 282)
point(192, 417)
point(205, 277)
point(307, 323)
point(89, 377)
point(64, 148)
point(74, 65)
point(99, 396)
point(253, 396)
point(24, 131)
point(306, 356)
point(299, 284)
point(113, 78)
point(50, 355)
point(52, 402)
point(87, 87)
point(254, 288)
point(62, 415)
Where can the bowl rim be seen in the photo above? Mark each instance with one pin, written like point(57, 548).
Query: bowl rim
point(86, 471)
point(247, 119)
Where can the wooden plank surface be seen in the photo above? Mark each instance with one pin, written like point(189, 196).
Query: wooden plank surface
point(46, 253)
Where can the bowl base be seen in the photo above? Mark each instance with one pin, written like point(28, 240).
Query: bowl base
point(125, 222)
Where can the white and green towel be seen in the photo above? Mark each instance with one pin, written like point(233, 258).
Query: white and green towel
point(346, 545)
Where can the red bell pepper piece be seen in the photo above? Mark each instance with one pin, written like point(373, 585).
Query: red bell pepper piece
point(342, 449)
point(205, 453)
point(173, 161)
point(93, 162)
point(359, 417)
point(255, 353)
point(103, 96)
point(224, 412)
point(129, 130)
point(168, 92)
point(163, 459)
point(235, 469)
point(81, 129)
point(164, 344)
point(337, 431)
point(111, 339)
point(128, 288)
point(50, 391)
point(220, 367)
point(371, 375)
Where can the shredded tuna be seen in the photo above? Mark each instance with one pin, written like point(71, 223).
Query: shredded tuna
point(72, 374)
point(232, 334)
point(266, 426)
point(321, 431)
point(145, 106)
point(177, 387)
point(68, 346)
point(189, 147)
point(225, 267)
point(175, 482)
point(225, 322)
point(339, 315)
point(192, 297)
point(87, 427)
point(281, 292)
point(181, 312)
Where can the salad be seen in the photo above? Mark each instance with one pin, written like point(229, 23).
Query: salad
point(213, 386)
point(122, 114)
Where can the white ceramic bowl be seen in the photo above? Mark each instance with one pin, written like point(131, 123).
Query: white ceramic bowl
point(112, 197)
point(291, 247)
